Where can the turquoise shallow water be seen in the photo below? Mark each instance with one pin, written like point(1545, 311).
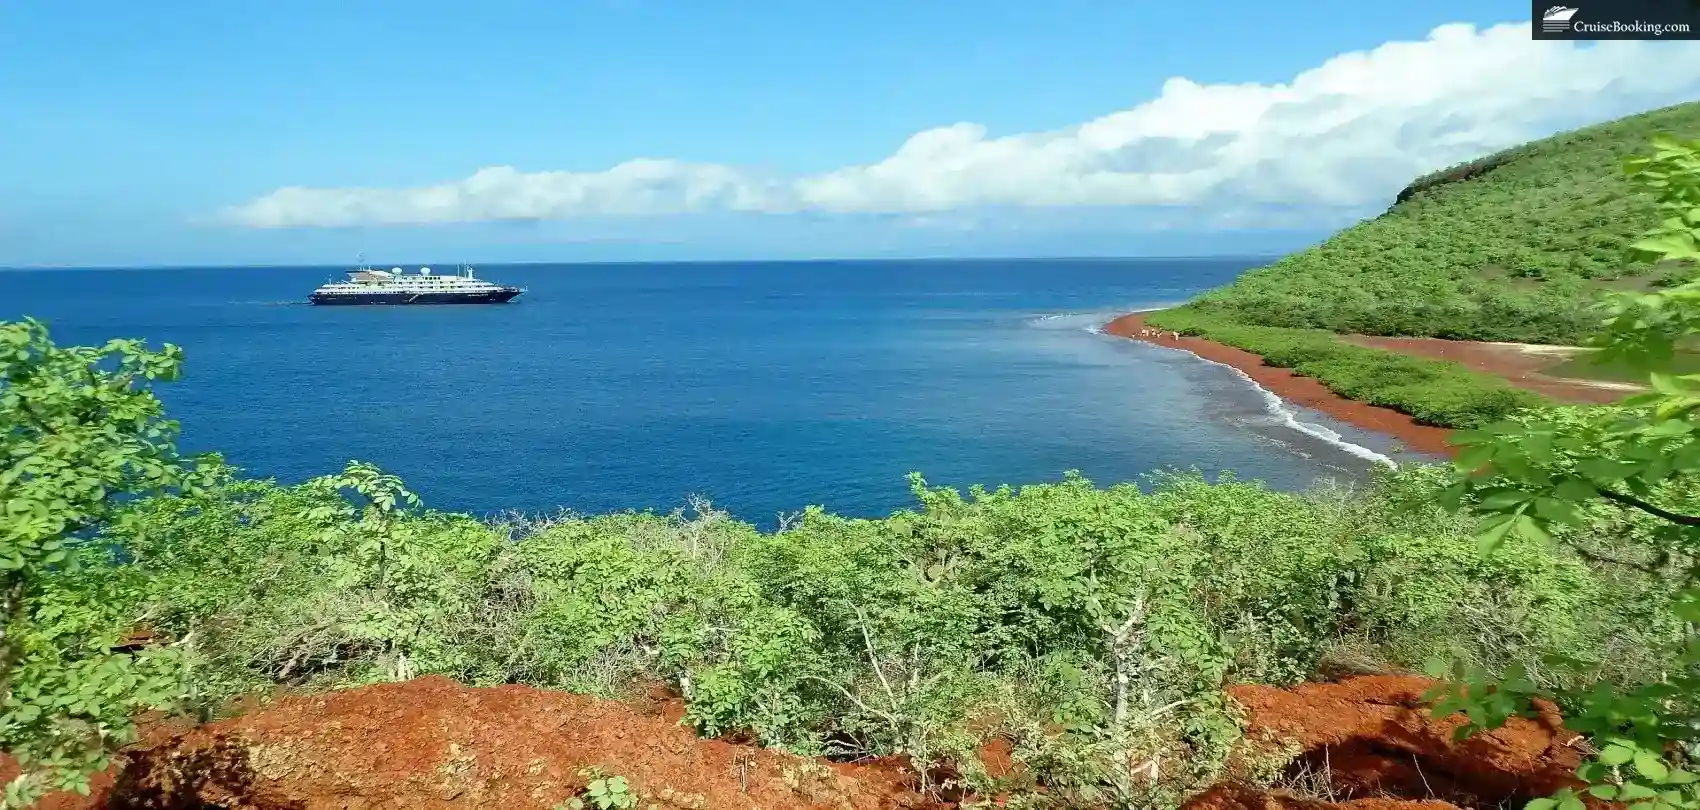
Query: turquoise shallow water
point(762, 387)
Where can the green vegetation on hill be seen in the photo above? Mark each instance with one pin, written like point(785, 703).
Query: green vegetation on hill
point(1517, 246)
point(1510, 248)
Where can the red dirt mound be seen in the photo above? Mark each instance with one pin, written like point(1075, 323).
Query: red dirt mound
point(1227, 797)
point(1370, 739)
point(1366, 742)
point(433, 743)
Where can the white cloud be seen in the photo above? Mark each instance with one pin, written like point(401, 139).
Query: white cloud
point(1349, 132)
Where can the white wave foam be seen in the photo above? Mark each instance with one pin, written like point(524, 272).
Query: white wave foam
point(1274, 405)
point(1288, 418)
point(1106, 318)
point(1285, 416)
point(1070, 320)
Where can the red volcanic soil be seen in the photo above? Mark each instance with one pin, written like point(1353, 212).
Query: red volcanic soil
point(434, 744)
point(1373, 739)
point(1514, 362)
point(1304, 391)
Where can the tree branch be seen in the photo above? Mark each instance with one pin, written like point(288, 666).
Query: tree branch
point(1632, 501)
point(1596, 557)
point(853, 699)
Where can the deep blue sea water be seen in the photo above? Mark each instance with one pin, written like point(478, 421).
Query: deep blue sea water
point(764, 387)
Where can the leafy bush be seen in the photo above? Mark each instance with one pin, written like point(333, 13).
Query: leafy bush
point(1093, 627)
point(603, 792)
point(79, 431)
point(1542, 478)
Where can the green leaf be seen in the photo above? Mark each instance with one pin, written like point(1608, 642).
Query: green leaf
point(1452, 498)
point(1501, 501)
point(1606, 471)
point(1494, 530)
point(1531, 528)
point(1576, 490)
point(1473, 457)
point(1649, 764)
point(1669, 246)
point(1635, 791)
point(1556, 511)
point(1437, 668)
point(1616, 754)
point(1668, 384)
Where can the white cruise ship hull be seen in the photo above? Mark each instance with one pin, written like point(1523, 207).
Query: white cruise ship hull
point(402, 297)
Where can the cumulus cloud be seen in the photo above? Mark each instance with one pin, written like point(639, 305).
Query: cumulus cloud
point(1346, 133)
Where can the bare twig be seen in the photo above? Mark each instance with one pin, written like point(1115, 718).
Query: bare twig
point(874, 659)
point(1123, 646)
point(1596, 557)
point(852, 698)
point(1422, 776)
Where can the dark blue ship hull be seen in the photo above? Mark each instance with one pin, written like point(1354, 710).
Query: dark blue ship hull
point(501, 296)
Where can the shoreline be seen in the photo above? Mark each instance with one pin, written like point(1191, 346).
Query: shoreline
point(1298, 390)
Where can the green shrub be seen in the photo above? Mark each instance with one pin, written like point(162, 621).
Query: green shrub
point(1545, 479)
point(1093, 626)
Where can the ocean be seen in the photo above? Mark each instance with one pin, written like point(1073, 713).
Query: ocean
point(760, 387)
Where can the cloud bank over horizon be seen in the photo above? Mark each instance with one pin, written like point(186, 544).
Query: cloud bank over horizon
point(1343, 136)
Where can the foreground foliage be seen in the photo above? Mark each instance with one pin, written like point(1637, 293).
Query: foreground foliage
point(1092, 627)
point(1539, 478)
point(77, 434)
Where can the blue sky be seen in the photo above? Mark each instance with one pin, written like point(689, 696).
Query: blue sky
point(164, 133)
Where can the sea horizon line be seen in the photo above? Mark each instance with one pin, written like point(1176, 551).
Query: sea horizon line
point(627, 262)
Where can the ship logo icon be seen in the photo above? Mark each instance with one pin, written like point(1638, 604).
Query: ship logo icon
point(1556, 20)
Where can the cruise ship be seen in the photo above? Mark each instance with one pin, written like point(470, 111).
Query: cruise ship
point(396, 286)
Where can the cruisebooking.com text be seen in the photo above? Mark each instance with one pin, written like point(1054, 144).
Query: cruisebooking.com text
point(1584, 29)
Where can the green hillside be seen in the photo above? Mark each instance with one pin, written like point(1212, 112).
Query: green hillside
point(1509, 247)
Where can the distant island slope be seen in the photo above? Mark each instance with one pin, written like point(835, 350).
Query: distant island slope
point(1419, 321)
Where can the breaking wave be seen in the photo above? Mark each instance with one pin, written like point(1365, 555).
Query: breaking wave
point(1275, 408)
point(1285, 416)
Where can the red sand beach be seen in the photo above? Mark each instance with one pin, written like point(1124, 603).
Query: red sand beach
point(1299, 390)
